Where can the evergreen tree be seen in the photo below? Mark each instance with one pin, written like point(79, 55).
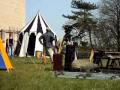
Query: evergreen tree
point(82, 18)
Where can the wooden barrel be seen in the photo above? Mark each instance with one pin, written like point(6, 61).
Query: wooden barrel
point(38, 54)
point(57, 62)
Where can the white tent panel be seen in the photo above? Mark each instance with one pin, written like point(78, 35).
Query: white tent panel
point(24, 46)
point(42, 24)
point(38, 45)
point(34, 26)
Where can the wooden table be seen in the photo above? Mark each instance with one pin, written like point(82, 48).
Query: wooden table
point(111, 57)
point(112, 61)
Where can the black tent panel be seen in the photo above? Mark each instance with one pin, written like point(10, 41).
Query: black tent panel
point(19, 43)
point(29, 27)
point(31, 44)
point(39, 27)
point(44, 22)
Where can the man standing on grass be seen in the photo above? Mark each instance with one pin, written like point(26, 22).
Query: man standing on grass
point(47, 41)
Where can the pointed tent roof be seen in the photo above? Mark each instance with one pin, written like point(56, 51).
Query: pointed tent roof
point(35, 28)
point(37, 25)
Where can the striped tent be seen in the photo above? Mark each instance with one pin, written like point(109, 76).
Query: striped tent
point(28, 41)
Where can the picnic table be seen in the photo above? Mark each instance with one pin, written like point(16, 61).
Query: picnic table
point(113, 59)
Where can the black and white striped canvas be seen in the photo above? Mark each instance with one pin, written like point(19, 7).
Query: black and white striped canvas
point(28, 41)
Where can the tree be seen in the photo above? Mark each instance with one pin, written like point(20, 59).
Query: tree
point(82, 18)
point(103, 37)
point(110, 11)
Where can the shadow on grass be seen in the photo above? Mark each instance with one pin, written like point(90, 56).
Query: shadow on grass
point(29, 62)
point(48, 69)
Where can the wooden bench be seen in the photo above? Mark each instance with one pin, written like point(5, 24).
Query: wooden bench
point(113, 59)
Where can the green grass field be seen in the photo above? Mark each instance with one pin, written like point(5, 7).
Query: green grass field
point(31, 74)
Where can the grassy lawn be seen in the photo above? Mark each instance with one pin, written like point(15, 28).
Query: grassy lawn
point(31, 74)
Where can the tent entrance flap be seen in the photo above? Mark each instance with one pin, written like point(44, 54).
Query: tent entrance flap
point(31, 44)
point(19, 43)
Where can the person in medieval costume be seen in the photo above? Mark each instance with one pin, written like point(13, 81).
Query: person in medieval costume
point(7, 46)
point(47, 40)
point(10, 45)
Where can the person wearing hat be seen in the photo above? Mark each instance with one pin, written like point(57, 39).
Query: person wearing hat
point(47, 40)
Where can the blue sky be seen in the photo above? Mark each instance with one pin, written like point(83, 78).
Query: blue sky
point(52, 11)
